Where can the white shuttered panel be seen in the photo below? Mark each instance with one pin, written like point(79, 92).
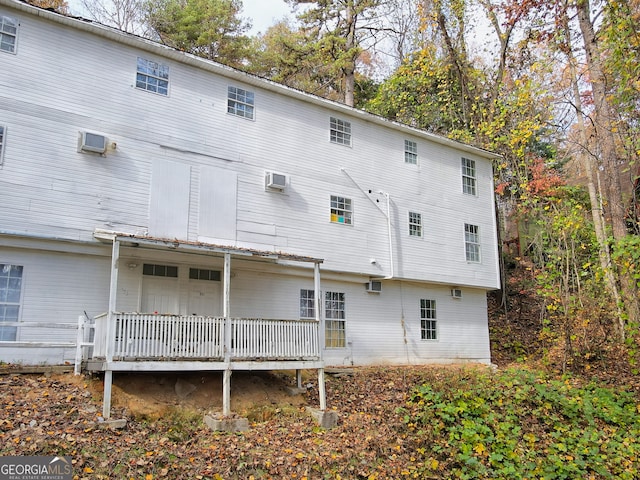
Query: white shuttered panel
point(169, 208)
point(218, 204)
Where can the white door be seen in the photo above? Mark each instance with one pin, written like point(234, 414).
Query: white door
point(160, 295)
point(204, 298)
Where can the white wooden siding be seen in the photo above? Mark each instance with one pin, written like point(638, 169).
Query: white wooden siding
point(180, 166)
point(52, 188)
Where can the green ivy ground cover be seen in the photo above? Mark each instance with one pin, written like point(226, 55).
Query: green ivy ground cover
point(518, 424)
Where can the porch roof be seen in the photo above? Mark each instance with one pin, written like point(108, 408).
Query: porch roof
point(201, 247)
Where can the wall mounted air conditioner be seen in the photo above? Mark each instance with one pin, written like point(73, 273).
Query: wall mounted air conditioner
point(276, 181)
point(456, 293)
point(373, 286)
point(92, 142)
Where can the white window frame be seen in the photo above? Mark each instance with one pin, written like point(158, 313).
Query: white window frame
point(335, 329)
point(469, 180)
point(410, 152)
point(415, 224)
point(472, 242)
point(241, 102)
point(10, 299)
point(3, 137)
point(339, 131)
point(8, 31)
point(152, 76)
point(307, 304)
point(158, 270)
point(428, 319)
point(341, 210)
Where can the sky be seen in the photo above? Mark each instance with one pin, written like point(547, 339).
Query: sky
point(264, 13)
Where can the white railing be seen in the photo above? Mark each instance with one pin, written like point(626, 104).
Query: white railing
point(256, 338)
point(168, 337)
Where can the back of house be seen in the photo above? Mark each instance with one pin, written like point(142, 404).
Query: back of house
point(106, 136)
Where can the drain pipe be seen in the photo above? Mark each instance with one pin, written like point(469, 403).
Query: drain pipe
point(390, 234)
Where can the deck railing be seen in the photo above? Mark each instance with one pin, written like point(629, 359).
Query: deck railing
point(173, 337)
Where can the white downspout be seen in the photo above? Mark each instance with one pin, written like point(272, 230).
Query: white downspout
point(390, 234)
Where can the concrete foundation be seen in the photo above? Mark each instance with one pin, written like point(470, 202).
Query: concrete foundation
point(324, 418)
point(226, 424)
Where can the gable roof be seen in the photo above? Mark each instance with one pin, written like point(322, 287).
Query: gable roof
point(156, 48)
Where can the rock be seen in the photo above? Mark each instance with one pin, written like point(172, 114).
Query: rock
point(184, 389)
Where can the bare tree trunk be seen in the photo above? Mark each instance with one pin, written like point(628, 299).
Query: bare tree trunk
point(604, 122)
point(349, 70)
point(604, 253)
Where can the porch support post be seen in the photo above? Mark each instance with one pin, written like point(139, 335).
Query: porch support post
point(109, 344)
point(226, 392)
point(321, 390)
point(321, 336)
point(299, 378)
point(226, 310)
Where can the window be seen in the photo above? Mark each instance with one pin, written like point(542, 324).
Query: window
point(428, 330)
point(415, 224)
point(240, 102)
point(468, 176)
point(334, 320)
point(341, 211)
point(340, 131)
point(152, 76)
point(8, 34)
point(471, 242)
point(410, 152)
point(160, 270)
point(202, 274)
point(307, 308)
point(3, 132)
point(10, 293)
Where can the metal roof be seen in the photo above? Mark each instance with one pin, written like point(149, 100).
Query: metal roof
point(201, 247)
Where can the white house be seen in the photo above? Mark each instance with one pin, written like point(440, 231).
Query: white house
point(191, 212)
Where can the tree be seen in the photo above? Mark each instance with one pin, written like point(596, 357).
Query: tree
point(125, 15)
point(211, 29)
point(337, 31)
point(59, 6)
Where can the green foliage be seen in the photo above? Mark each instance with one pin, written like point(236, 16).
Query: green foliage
point(519, 424)
point(211, 29)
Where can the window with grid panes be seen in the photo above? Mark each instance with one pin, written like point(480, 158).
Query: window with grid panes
point(152, 76)
point(428, 330)
point(415, 224)
point(240, 102)
point(8, 34)
point(10, 298)
point(307, 305)
point(334, 321)
point(341, 210)
point(339, 131)
point(410, 152)
point(160, 270)
point(468, 176)
point(204, 274)
point(471, 242)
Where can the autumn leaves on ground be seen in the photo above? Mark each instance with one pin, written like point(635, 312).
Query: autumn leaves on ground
point(399, 422)
point(522, 420)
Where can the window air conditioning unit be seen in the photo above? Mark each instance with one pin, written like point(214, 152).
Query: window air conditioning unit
point(276, 181)
point(374, 286)
point(92, 142)
point(456, 293)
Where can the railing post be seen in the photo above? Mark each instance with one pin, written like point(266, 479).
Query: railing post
point(80, 334)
